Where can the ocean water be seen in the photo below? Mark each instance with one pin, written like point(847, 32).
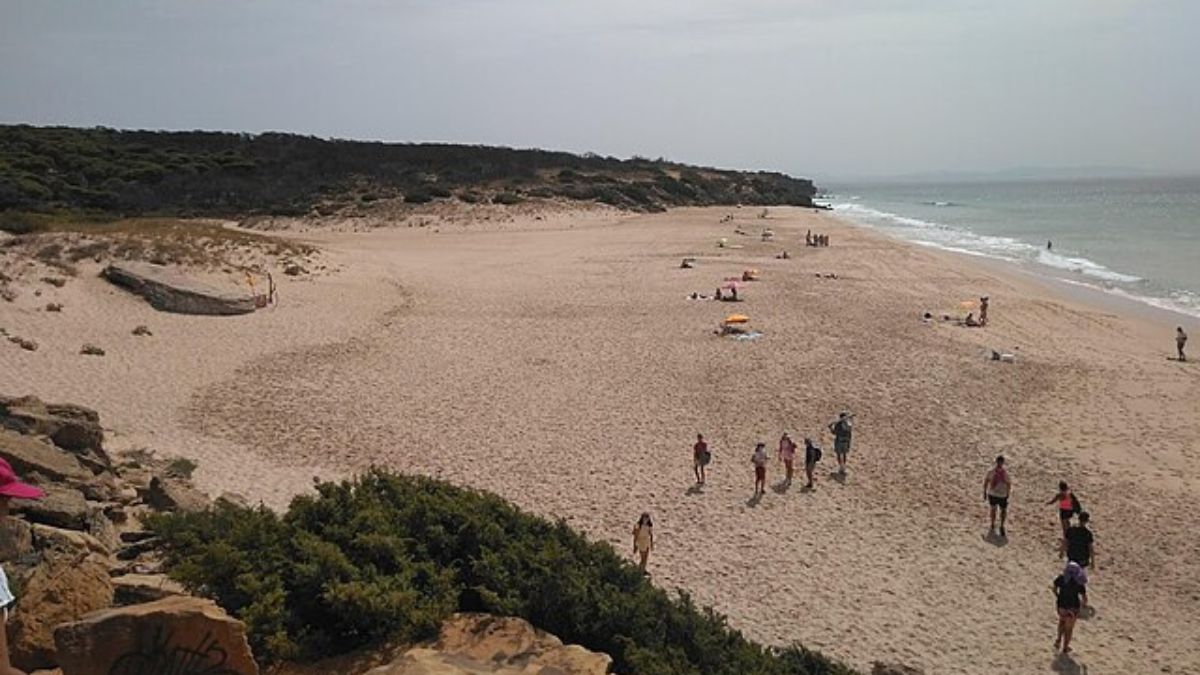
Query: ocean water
point(1138, 237)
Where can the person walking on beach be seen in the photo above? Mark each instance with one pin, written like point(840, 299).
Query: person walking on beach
point(812, 455)
point(1070, 594)
point(1079, 543)
point(10, 488)
point(787, 454)
point(842, 431)
point(1068, 505)
point(996, 487)
point(983, 308)
point(1180, 341)
point(643, 539)
point(759, 460)
point(700, 458)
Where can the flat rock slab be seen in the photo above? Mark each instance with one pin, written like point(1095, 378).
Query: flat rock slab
point(170, 291)
point(174, 635)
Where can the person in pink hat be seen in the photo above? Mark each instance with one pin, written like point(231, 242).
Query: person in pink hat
point(11, 488)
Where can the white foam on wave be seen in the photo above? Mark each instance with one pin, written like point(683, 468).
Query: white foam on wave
point(1084, 266)
point(949, 238)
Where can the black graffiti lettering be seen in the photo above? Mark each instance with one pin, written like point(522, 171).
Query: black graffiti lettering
point(158, 657)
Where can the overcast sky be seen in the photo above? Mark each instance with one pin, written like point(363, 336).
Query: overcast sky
point(820, 88)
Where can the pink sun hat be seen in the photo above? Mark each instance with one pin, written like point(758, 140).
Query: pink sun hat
point(11, 486)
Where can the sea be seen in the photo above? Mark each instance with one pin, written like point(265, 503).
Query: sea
point(1134, 237)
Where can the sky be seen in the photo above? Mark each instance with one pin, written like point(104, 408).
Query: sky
point(818, 88)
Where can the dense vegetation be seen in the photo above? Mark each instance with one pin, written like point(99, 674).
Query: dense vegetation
point(199, 173)
point(390, 556)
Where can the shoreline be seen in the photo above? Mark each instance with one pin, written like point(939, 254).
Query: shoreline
point(1068, 290)
point(1041, 269)
point(565, 369)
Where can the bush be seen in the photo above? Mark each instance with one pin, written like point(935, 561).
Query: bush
point(507, 198)
point(391, 556)
point(132, 173)
point(418, 198)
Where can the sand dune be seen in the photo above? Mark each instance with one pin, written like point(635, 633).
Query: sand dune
point(559, 363)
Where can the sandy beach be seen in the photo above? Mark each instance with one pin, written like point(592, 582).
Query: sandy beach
point(557, 360)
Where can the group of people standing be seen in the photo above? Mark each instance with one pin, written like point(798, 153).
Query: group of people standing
point(1077, 545)
point(841, 428)
point(818, 240)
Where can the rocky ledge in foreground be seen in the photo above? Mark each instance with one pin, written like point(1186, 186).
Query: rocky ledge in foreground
point(170, 291)
point(82, 548)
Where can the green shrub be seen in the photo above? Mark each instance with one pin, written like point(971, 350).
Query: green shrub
point(507, 198)
point(418, 197)
point(138, 173)
point(391, 556)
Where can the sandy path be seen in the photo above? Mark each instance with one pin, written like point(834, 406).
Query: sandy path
point(563, 368)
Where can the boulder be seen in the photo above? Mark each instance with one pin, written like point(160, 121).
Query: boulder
point(70, 427)
point(480, 643)
point(64, 587)
point(100, 527)
point(170, 291)
point(16, 539)
point(133, 589)
point(61, 507)
point(169, 494)
point(174, 635)
point(50, 538)
point(29, 455)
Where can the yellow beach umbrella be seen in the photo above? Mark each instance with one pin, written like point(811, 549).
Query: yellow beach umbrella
point(737, 318)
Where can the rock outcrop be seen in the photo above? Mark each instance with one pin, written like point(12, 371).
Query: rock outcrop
point(62, 552)
point(169, 291)
point(170, 494)
point(173, 635)
point(481, 643)
point(65, 586)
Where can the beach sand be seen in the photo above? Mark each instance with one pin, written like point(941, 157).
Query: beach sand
point(558, 362)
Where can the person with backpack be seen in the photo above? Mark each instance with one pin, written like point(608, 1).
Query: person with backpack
point(997, 485)
point(787, 455)
point(1070, 594)
point(1068, 505)
point(1079, 544)
point(842, 431)
point(701, 456)
point(812, 455)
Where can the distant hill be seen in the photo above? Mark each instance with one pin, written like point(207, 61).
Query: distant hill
point(202, 173)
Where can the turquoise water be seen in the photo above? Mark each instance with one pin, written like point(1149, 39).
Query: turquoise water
point(1138, 237)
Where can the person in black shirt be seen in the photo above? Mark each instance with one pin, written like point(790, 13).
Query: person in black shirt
point(812, 455)
point(1078, 543)
point(1070, 593)
point(842, 430)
